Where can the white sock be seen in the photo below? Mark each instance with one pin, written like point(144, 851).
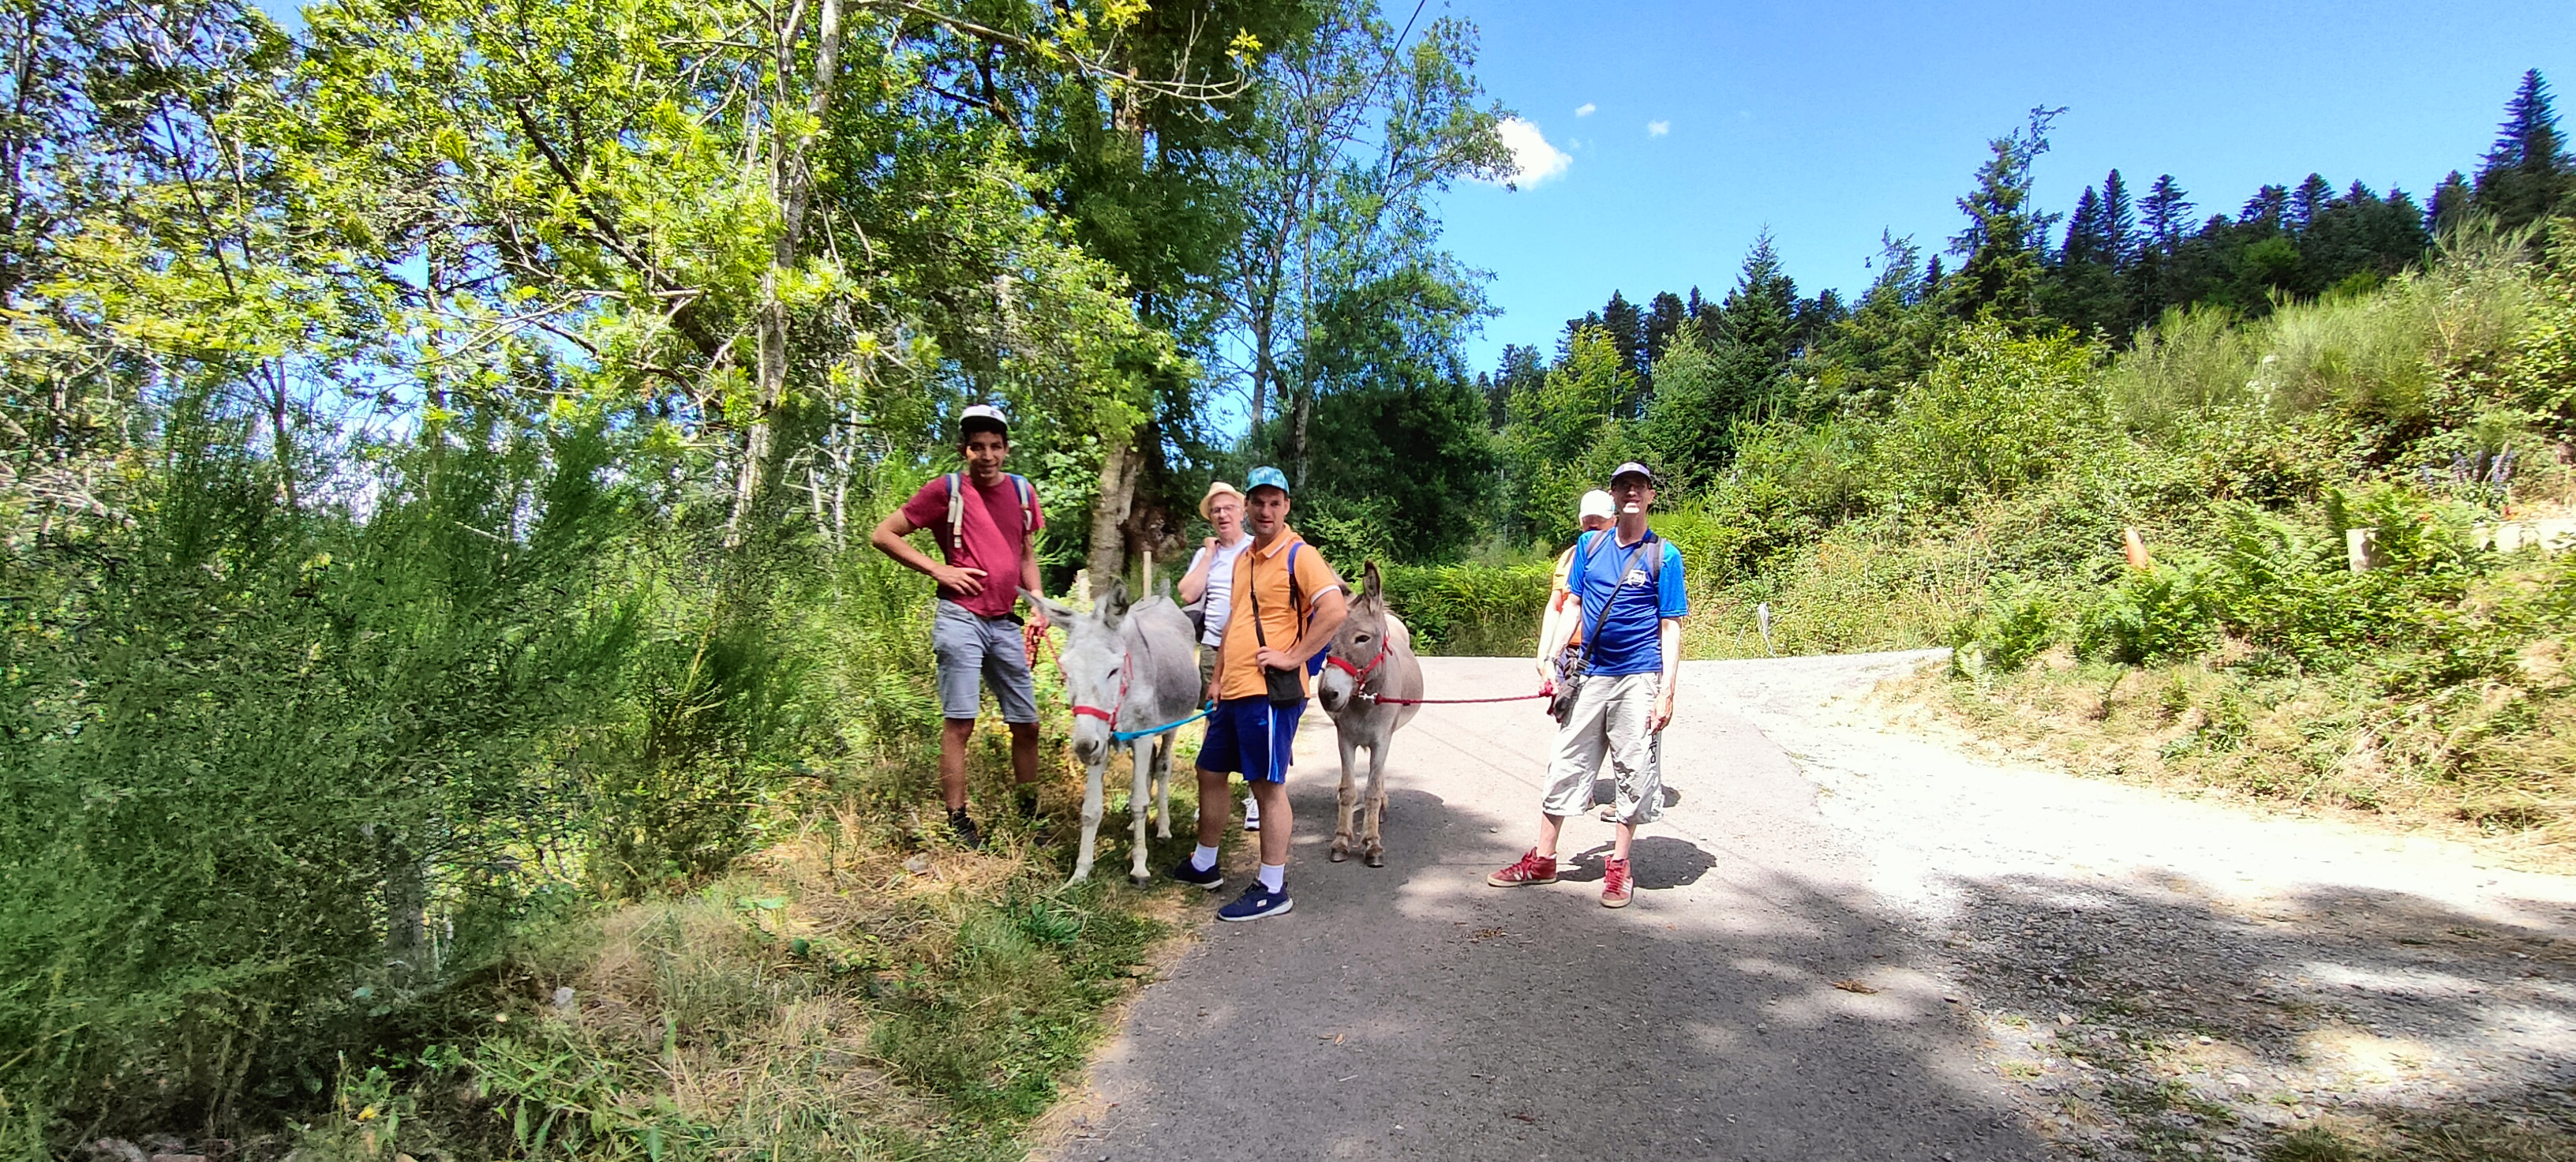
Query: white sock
point(1274, 877)
point(1251, 806)
point(1203, 859)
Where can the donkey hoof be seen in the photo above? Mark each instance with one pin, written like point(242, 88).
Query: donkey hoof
point(1377, 859)
point(1340, 853)
point(1140, 879)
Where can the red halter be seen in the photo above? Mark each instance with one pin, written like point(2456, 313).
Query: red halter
point(1359, 674)
point(1126, 664)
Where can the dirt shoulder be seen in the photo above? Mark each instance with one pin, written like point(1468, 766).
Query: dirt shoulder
point(2157, 972)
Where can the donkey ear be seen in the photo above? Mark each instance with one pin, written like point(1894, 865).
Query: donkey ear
point(1371, 585)
point(1054, 612)
point(1113, 606)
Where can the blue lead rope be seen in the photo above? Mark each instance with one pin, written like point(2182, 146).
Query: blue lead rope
point(1130, 735)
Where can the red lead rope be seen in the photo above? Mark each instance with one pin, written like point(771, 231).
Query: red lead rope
point(1455, 701)
point(1359, 676)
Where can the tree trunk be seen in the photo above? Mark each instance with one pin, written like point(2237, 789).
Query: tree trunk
point(792, 183)
point(1264, 370)
point(1302, 411)
point(406, 906)
point(1119, 472)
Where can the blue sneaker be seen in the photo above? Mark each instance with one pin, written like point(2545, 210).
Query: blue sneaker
point(1188, 873)
point(1255, 903)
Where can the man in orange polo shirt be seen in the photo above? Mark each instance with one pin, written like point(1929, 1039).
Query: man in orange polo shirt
point(1287, 603)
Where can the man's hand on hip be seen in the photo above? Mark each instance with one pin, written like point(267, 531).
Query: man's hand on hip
point(967, 581)
point(1278, 659)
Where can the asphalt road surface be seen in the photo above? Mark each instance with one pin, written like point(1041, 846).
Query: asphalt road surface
point(1414, 1012)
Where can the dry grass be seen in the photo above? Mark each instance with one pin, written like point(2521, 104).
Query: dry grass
point(2493, 765)
point(850, 991)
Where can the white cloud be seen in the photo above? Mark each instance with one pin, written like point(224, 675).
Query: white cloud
point(1658, 128)
point(1585, 109)
point(1533, 159)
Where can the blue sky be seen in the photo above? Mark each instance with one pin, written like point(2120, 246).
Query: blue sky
point(1828, 120)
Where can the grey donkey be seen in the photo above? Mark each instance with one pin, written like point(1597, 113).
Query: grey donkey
point(1127, 667)
point(1371, 658)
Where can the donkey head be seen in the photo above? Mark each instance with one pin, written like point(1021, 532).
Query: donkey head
point(1094, 661)
point(1359, 647)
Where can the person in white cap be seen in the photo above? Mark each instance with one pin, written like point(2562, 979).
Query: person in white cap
point(1594, 513)
point(1208, 588)
point(1630, 581)
point(986, 522)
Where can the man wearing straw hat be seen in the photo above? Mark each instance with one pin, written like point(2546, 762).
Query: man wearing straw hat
point(1207, 591)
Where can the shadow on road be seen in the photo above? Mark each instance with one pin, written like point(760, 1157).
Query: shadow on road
point(1758, 1001)
point(1658, 863)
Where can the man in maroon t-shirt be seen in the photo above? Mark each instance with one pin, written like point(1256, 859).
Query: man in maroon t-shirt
point(984, 541)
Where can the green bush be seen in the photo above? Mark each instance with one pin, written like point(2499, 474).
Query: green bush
point(2150, 616)
point(1997, 412)
point(2006, 634)
point(1470, 610)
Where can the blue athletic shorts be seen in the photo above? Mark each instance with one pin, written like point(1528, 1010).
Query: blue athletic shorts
point(1251, 737)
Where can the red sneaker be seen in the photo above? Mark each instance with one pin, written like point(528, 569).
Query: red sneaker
point(1614, 884)
point(1532, 868)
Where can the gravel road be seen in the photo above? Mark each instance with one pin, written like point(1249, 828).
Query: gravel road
point(1847, 943)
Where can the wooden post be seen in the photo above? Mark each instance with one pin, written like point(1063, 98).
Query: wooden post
point(2361, 549)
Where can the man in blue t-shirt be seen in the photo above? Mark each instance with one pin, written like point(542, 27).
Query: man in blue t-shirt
point(1630, 581)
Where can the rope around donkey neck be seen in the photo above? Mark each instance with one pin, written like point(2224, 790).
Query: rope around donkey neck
point(1116, 734)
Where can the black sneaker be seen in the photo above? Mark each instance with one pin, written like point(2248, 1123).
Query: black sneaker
point(963, 829)
point(1188, 873)
point(1256, 902)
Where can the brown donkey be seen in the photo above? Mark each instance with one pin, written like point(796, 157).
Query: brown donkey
point(1371, 658)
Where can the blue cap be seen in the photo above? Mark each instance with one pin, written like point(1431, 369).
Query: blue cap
point(1265, 477)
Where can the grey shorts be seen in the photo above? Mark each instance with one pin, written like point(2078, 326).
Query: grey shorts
point(1610, 721)
point(981, 650)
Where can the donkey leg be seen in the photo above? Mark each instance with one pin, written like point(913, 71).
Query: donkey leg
point(1374, 834)
point(1346, 804)
point(1163, 786)
point(1090, 820)
point(1140, 803)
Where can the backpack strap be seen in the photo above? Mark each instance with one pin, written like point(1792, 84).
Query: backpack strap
point(956, 508)
point(1028, 505)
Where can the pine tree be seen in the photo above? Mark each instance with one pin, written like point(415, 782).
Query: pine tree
point(2119, 222)
point(2085, 242)
point(1626, 327)
point(1521, 369)
point(2528, 170)
point(2006, 240)
point(2309, 200)
point(2083, 290)
point(1666, 316)
point(2267, 211)
point(1760, 314)
point(2451, 203)
point(2166, 214)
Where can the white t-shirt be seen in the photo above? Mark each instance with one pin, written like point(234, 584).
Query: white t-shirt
point(1220, 586)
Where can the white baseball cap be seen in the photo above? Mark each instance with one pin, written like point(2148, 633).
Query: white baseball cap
point(983, 417)
point(1598, 503)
